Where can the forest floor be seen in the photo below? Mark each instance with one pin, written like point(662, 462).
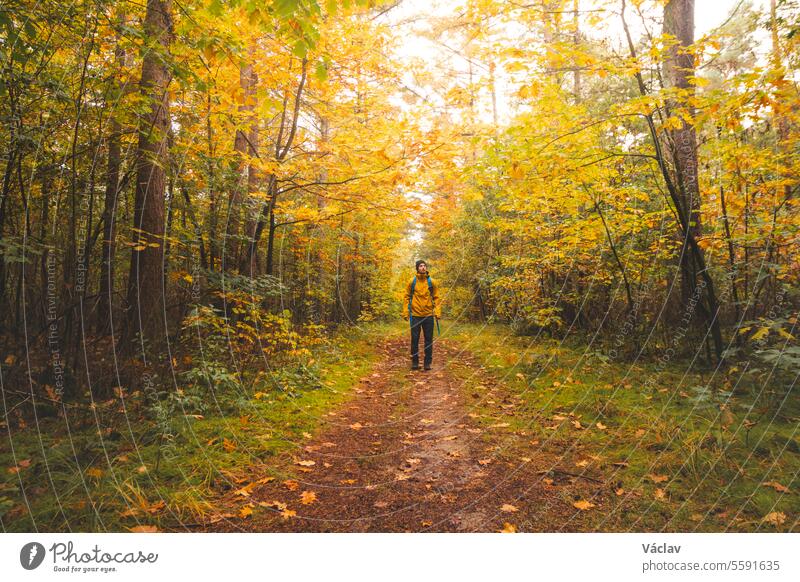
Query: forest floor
point(506, 433)
point(408, 453)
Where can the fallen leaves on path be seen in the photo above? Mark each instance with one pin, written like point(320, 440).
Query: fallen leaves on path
point(308, 497)
point(508, 508)
point(508, 528)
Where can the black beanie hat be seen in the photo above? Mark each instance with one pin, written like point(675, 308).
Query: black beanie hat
point(418, 263)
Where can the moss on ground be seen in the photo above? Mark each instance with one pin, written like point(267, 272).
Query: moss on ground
point(687, 452)
point(119, 467)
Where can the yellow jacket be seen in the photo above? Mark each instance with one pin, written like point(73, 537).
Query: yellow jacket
point(422, 304)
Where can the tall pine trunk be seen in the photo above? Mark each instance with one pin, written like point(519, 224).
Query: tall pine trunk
point(145, 295)
point(105, 301)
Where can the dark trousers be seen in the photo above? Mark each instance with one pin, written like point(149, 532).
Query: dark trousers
point(426, 325)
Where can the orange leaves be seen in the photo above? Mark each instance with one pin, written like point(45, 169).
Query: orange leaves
point(583, 505)
point(144, 529)
point(775, 518)
point(776, 486)
point(20, 465)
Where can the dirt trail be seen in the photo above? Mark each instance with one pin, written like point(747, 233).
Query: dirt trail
point(405, 455)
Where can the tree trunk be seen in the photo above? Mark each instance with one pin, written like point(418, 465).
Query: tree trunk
point(105, 300)
point(250, 145)
point(146, 279)
point(245, 148)
point(679, 68)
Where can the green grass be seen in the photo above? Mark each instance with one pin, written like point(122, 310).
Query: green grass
point(133, 470)
point(659, 421)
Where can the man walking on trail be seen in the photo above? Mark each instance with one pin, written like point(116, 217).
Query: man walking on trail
point(421, 307)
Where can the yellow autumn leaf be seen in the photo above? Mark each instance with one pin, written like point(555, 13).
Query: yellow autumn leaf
point(288, 513)
point(583, 505)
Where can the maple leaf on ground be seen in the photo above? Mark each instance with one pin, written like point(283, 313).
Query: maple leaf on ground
point(508, 528)
point(245, 512)
point(583, 505)
point(288, 513)
point(508, 508)
point(308, 497)
point(291, 484)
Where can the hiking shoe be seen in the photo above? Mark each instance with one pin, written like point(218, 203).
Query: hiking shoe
point(415, 367)
point(427, 367)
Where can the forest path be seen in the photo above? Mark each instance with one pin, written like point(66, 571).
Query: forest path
point(406, 454)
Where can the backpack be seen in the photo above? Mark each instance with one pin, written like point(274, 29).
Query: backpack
point(411, 297)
